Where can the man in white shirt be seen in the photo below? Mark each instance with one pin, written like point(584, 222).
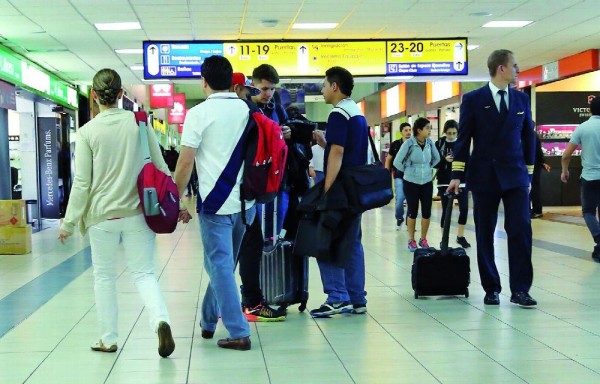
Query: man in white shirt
point(316, 163)
point(212, 135)
point(588, 136)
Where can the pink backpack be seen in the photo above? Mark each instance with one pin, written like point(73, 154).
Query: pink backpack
point(158, 192)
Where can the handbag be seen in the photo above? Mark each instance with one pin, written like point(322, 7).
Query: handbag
point(157, 190)
point(367, 186)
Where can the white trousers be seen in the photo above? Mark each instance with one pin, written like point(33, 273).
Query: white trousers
point(138, 241)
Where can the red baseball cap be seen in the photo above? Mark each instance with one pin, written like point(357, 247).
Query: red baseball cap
point(239, 79)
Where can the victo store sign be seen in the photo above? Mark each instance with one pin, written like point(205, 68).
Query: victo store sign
point(161, 95)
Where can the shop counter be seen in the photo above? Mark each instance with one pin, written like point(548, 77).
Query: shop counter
point(554, 191)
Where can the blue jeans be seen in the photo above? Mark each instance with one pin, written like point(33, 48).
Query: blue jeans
point(400, 198)
point(319, 176)
point(590, 206)
point(346, 283)
point(221, 238)
point(282, 206)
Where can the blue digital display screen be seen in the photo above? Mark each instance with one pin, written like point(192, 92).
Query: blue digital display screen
point(177, 60)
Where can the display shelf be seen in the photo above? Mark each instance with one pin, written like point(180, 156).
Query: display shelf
point(556, 137)
point(556, 131)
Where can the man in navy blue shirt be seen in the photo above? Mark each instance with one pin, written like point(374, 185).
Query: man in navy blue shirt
point(345, 146)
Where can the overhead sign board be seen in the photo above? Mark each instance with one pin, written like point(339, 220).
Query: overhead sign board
point(177, 113)
point(183, 59)
point(313, 58)
point(426, 57)
point(19, 71)
point(161, 95)
point(177, 60)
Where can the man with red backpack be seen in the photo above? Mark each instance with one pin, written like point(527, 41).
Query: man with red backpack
point(253, 304)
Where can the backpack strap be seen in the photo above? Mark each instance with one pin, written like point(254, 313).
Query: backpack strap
point(373, 149)
point(251, 109)
point(407, 157)
point(442, 143)
point(371, 142)
point(143, 139)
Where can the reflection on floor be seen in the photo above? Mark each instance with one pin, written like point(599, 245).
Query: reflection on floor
point(567, 215)
point(400, 340)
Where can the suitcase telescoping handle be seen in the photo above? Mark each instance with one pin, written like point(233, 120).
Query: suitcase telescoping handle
point(274, 235)
point(447, 221)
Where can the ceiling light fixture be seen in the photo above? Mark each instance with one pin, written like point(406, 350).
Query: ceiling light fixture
point(314, 25)
point(130, 51)
point(127, 26)
point(269, 23)
point(481, 14)
point(137, 67)
point(507, 24)
point(471, 47)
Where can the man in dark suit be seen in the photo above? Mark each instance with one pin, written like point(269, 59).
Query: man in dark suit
point(497, 119)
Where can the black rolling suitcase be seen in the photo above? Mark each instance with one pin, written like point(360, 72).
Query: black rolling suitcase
point(283, 275)
point(441, 272)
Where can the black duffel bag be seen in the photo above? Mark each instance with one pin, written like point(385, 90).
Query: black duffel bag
point(367, 186)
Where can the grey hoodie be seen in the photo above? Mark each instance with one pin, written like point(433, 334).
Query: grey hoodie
point(418, 165)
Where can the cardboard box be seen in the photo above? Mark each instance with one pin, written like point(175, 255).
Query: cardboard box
point(13, 213)
point(15, 240)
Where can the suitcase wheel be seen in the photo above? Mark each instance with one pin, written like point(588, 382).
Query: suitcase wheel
point(416, 295)
point(466, 292)
point(302, 306)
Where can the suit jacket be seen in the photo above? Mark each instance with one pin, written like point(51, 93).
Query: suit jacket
point(505, 151)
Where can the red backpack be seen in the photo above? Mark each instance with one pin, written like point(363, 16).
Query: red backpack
point(158, 192)
point(265, 154)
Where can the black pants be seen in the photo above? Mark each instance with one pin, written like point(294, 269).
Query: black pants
point(251, 252)
point(517, 225)
point(590, 206)
point(416, 193)
point(536, 192)
point(463, 205)
point(249, 258)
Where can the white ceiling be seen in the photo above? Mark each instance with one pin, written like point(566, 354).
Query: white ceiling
point(60, 34)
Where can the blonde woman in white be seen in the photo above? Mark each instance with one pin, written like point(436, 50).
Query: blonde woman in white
point(104, 202)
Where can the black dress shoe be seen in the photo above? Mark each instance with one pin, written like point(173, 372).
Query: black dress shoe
point(523, 299)
point(241, 344)
point(596, 253)
point(491, 298)
point(206, 334)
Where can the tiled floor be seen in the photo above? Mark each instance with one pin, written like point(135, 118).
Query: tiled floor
point(400, 340)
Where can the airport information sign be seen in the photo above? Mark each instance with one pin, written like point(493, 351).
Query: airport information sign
point(177, 59)
point(425, 57)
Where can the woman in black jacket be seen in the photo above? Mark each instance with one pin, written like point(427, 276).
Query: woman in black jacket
point(445, 146)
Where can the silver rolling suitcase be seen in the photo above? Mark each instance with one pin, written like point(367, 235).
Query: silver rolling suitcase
point(283, 276)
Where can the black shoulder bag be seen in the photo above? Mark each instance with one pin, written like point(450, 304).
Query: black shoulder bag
point(367, 186)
